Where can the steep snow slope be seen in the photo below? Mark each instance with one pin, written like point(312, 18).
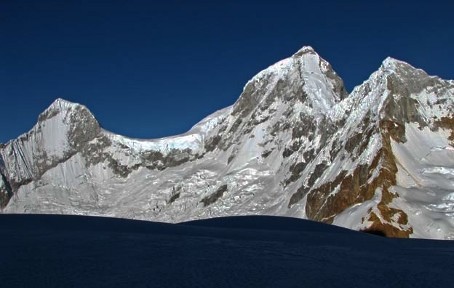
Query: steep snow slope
point(295, 144)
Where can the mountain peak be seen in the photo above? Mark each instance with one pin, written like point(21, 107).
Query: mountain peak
point(304, 77)
point(294, 144)
point(306, 56)
point(401, 67)
point(391, 62)
point(61, 105)
point(63, 101)
point(404, 76)
point(305, 50)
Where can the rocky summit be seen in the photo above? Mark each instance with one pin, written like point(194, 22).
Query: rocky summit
point(295, 144)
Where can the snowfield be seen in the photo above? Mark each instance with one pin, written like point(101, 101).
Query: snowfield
point(75, 251)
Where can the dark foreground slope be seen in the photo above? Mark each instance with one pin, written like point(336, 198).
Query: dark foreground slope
point(75, 251)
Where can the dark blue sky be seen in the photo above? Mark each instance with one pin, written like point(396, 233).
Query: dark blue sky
point(150, 69)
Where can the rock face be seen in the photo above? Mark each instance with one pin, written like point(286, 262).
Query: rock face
point(295, 143)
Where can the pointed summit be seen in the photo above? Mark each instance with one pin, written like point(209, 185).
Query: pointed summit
point(302, 79)
point(391, 63)
point(305, 50)
point(63, 102)
point(403, 69)
point(305, 59)
point(60, 105)
point(404, 79)
point(64, 106)
point(73, 123)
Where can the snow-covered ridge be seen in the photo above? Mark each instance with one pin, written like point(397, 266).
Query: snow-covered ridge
point(281, 68)
point(192, 140)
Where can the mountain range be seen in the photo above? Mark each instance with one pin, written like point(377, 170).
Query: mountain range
point(295, 143)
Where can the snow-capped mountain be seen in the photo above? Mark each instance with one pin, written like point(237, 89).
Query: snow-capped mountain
point(295, 143)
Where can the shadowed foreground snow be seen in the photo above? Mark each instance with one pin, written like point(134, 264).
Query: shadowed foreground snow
point(255, 251)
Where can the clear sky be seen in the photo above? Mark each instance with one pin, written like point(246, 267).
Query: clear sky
point(149, 69)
